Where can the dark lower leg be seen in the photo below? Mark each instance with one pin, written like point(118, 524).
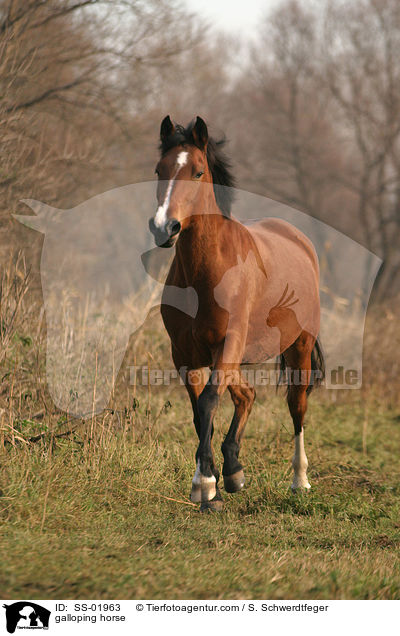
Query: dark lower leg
point(243, 398)
point(205, 480)
point(204, 485)
point(207, 405)
point(206, 473)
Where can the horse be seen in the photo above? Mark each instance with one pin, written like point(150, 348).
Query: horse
point(258, 299)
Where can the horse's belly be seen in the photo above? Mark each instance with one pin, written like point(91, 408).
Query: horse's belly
point(265, 344)
point(288, 301)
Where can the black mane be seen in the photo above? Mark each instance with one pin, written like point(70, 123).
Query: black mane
point(218, 163)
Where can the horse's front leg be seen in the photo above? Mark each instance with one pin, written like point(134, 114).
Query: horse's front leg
point(225, 371)
point(243, 397)
point(205, 481)
point(204, 485)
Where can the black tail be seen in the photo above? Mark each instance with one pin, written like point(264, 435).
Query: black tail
point(317, 367)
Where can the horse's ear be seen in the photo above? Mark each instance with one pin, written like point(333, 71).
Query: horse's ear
point(200, 133)
point(167, 128)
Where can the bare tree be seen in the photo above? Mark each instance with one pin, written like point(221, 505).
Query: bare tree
point(321, 103)
point(362, 62)
point(71, 122)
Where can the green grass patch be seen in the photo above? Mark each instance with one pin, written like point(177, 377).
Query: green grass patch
point(108, 516)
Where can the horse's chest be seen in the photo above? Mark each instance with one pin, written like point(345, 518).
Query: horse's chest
point(197, 338)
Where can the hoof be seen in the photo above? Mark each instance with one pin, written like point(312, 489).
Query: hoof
point(300, 488)
point(195, 494)
point(235, 482)
point(203, 492)
point(215, 505)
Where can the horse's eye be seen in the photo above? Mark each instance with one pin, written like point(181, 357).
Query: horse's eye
point(199, 174)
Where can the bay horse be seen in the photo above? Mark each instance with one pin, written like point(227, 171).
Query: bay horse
point(258, 298)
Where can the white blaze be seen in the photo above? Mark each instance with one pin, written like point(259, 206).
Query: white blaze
point(161, 215)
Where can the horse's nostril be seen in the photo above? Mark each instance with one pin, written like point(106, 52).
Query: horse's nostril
point(173, 227)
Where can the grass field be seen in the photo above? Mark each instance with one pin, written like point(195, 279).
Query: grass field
point(109, 517)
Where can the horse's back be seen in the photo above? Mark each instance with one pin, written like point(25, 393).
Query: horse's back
point(273, 233)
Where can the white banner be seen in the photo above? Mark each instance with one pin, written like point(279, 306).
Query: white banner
point(197, 617)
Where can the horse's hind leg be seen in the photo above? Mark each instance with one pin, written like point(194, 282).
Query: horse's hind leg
point(298, 360)
point(243, 397)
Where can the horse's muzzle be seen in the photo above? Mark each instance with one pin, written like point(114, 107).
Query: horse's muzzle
point(165, 236)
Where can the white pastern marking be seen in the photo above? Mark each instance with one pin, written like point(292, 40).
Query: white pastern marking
point(300, 463)
point(199, 479)
point(203, 488)
point(160, 218)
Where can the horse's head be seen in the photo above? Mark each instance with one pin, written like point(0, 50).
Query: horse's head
point(182, 168)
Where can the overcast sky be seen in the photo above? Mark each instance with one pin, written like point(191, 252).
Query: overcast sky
point(236, 17)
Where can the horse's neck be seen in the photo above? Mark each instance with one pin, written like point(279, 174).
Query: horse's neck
point(197, 247)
